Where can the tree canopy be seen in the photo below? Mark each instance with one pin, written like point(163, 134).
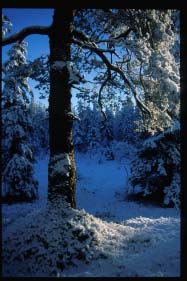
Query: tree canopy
point(124, 51)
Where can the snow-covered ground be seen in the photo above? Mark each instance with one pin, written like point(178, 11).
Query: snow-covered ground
point(101, 191)
point(112, 237)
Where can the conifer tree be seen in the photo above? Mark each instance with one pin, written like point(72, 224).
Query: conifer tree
point(18, 182)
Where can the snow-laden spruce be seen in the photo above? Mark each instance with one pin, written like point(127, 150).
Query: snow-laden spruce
point(40, 134)
point(18, 182)
point(156, 169)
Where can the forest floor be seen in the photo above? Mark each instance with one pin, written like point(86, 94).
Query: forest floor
point(113, 236)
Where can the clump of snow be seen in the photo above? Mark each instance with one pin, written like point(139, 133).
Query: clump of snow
point(160, 168)
point(74, 75)
point(59, 65)
point(172, 192)
point(60, 164)
point(6, 25)
point(71, 116)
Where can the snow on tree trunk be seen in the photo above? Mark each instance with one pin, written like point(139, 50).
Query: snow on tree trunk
point(18, 182)
point(62, 171)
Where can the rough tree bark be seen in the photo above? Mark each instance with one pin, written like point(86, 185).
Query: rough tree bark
point(62, 171)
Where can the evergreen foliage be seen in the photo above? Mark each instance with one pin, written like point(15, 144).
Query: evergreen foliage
point(40, 123)
point(93, 133)
point(18, 182)
point(156, 169)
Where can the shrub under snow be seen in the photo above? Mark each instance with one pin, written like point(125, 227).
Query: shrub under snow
point(156, 169)
point(51, 240)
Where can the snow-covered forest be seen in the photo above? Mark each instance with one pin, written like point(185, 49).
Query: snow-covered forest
point(91, 183)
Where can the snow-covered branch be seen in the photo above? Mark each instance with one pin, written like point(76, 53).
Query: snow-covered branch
point(19, 36)
point(122, 35)
point(114, 68)
point(100, 91)
point(91, 45)
point(81, 36)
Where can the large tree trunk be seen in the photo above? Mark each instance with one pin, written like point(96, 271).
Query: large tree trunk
point(62, 171)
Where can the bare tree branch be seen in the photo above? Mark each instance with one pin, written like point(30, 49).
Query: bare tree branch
point(80, 36)
point(19, 36)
